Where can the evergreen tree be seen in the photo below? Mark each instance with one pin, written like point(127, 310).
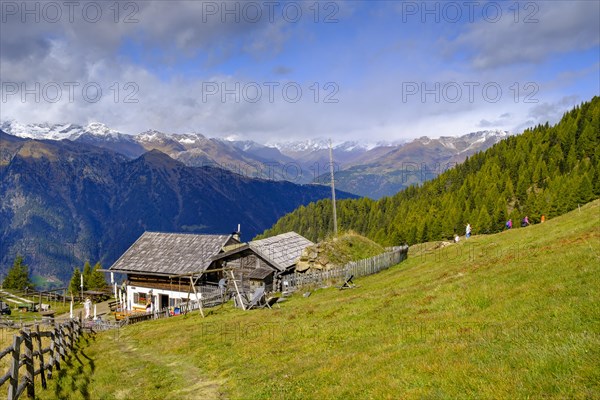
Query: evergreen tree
point(75, 284)
point(586, 191)
point(499, 214)
point(97, 280)
point(596, 178)
point(411, 236)
point(87, 274)
point(424, 234)
point(587, 141)
point(484, 222)
point(522, 187)
point(17, 276)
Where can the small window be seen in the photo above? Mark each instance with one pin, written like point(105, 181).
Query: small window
point(174, 302)
point(140, 298)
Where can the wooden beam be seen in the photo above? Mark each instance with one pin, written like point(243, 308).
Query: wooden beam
point(237, 290)
point(196, 293)
point(196, 273)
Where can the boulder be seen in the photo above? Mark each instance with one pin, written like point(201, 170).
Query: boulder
point(302, 266)
point(323, 260)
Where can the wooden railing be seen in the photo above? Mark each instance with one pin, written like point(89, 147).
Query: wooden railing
point(359, 268)
point(28, 351)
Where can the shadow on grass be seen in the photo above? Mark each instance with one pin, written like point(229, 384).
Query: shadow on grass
point(75, 373)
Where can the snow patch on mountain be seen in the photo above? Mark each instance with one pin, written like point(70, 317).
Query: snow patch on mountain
point(99, 131)
point(42, 131)
point(151, 136)
point(189, 138)
point(310, 145)
point(477, 139)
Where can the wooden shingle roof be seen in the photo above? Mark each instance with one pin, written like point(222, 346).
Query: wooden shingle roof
point(170, 253)
point(281, 251)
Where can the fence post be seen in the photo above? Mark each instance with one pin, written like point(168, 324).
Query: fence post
point(29, 366)
point(71, 329)
point(76, 325)
point(41, 356)
point(60, 340)
point(14, 368)
point(52, 355)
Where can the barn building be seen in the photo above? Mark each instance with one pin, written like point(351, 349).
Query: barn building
point(160, 267)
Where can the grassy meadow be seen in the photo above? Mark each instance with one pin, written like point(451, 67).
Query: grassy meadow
point(506, 316)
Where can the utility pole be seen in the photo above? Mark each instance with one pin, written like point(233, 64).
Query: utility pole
point(335, 230)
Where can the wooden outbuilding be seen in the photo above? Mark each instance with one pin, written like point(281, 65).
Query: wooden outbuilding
point(264, 262)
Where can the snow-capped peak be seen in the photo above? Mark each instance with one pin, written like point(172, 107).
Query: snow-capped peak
point(470, 141)
point(100, 129)
point(189, 138)
point(493, 133)
point(424, 140)
point(310, 145)
point(151, 135)
point(350, 146)
point(42, 130)
point(301, 145)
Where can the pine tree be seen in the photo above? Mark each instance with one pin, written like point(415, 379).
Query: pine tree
point(499, 214)
point(424, 234)
point(586, 190)
point(411, 237)
point(522, 187)
point(87, 274)
point(596, 178)
point(483, 221)
point(17, 276)
point(97, 279)
point(75, 284)
point(587, 141)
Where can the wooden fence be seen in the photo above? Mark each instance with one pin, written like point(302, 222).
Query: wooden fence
point(359, 268)
point(27, 351)
point(57, 295)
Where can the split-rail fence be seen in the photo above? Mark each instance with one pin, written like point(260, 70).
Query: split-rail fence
point(37, 352)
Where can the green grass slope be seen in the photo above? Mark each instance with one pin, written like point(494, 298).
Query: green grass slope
point(504, 316)
point(348, 246)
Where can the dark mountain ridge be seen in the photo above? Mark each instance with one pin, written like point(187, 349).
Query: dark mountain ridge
point(64, 202)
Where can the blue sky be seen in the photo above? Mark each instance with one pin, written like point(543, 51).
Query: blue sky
point(367, 71)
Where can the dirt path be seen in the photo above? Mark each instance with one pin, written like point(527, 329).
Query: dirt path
point(180, 368)
point(9, 297)
point(102, 311)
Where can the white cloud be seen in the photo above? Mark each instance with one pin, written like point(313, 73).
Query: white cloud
point(371, 103)
point(561, 27)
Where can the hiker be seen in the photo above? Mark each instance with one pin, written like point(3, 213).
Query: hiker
point(543, 219)
point(468, 231)
point(525, 221)
point(456, 238)
point(509, 224)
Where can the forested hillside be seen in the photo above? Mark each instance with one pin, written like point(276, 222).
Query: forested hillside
point(547, 170)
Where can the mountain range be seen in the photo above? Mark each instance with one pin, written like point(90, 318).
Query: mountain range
point(64, 202)
point(365, 169)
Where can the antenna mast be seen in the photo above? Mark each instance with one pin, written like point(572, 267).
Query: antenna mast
point(335, 230)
